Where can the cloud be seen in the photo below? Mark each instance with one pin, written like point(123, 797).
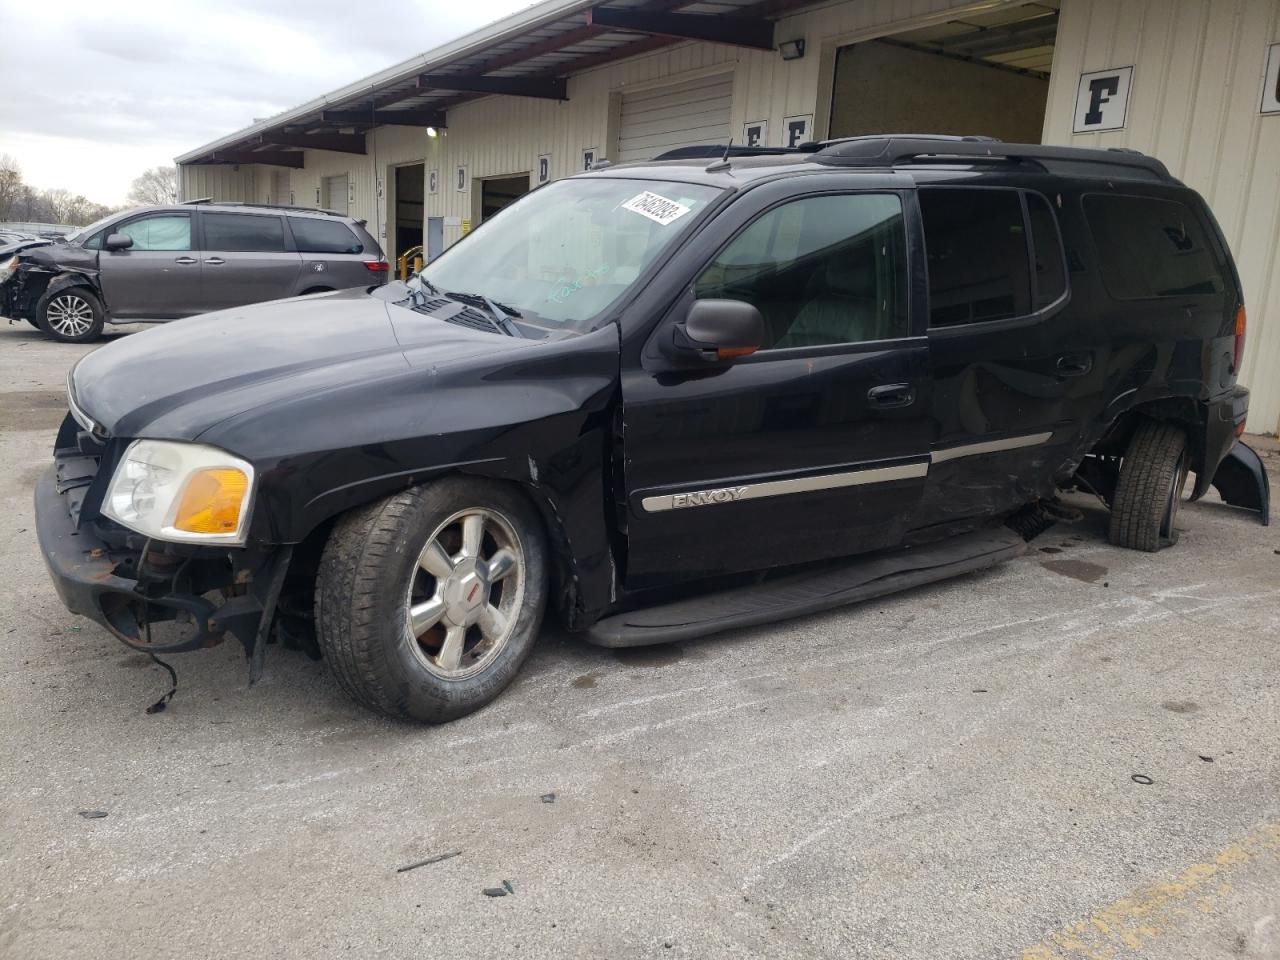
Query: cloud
point(96, 93)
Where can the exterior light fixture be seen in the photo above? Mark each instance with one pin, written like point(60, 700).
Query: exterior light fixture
point(432, 132)
point(791, 49)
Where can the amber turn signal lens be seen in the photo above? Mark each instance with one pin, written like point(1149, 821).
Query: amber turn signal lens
point(729, 353)
point(211, 501)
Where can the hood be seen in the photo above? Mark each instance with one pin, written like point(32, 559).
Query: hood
point(58, 256)
point(9, 248)
point(178, 380)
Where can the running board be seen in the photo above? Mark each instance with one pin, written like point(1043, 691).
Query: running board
point(812, 591)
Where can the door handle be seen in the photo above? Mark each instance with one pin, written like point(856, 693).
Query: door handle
point(215, 261)
point(1074, 364)
point(185, 261)
point(892, 395)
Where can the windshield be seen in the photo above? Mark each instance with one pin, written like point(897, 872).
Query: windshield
point(75, 235)
point(562, 254)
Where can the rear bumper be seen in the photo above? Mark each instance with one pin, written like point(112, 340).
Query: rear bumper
point(1224, 421)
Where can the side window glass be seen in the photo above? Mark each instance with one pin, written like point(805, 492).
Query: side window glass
point(95, 242)
point(313, 235)
point(821, 270)
point(979, 268)
point(243, 233)
point(164, 232)
point(1149, 248)
point(1051, 280)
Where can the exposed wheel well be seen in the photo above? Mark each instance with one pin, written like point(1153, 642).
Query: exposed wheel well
point(296, 597)
point(1100, 470)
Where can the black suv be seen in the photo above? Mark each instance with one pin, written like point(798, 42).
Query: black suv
point(665, 398)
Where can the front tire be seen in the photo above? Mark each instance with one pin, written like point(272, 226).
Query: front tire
point(428, 602)
point(1153, 476)
point(72, 316)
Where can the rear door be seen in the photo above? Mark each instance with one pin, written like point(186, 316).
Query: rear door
point(246, 259)
point(159, 276)
point(817, 445)
point(333, 254)
point(1016, 373)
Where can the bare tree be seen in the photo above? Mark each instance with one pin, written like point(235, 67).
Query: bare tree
point(10, 185)
point(159, 185)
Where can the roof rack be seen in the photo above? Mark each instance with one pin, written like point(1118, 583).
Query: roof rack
point(712, 151)
point(888, 151)
point(266, 206)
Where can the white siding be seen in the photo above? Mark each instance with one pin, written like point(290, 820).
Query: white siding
point(1197, 82)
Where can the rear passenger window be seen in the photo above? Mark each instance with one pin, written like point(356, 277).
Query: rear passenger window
point(324, 236)
point(821, 270)
point(243, 233)
point(979, 267)
point(1050, 274)
point(1151, 248)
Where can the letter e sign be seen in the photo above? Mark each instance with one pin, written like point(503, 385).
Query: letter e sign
point(1102, 100)
point(1271, 85)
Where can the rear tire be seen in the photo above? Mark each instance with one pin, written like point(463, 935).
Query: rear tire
point(1153, 476)
point(432, 646)
point(73, 315)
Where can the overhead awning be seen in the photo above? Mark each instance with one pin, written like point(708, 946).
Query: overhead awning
point(529, 54)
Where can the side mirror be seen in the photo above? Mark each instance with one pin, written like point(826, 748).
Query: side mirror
point(119, 241)
point(717, 330)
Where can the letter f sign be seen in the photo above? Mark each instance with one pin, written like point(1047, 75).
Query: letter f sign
point(1101, 91)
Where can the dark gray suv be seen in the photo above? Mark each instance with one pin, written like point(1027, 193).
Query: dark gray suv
point(163, 263)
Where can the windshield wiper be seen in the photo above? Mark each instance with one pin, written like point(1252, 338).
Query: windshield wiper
point(499, 313)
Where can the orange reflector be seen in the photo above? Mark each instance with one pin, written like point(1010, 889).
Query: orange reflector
point(1239, 350)
point(211, 501)
point(729, 353)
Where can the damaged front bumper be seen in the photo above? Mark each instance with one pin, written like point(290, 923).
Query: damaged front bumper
point(127, 587)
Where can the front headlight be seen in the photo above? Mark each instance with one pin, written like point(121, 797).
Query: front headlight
point(8, 267)
point(183, 492)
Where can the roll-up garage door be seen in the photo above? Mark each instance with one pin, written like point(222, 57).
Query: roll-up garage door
point(679, 115)
point(335, 193)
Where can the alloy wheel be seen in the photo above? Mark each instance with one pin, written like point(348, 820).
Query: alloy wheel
point(69, 315)
point(465, 593)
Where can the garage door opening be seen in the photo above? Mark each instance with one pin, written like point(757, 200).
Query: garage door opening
point(984, 74)
point(499, 192)
point(410, 196)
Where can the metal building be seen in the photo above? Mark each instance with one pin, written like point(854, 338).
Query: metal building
point(430, 147)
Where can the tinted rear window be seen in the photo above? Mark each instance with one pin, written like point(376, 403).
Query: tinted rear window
point(979, 268)
point(1150, 248)
point(324, 236)
point(243, 232)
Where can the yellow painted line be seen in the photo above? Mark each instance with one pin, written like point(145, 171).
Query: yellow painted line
point(1147, 913)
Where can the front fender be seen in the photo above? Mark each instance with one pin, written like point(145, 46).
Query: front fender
point(67, 279)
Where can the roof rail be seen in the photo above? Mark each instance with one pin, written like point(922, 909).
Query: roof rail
point(271, 206)
point(712, 151)
point(198, 200)
point(891, 150)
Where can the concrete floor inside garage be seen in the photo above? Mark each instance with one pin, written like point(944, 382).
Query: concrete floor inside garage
point(945, 773)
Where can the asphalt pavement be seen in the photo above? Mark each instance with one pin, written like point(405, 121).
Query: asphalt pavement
point(1075, 755)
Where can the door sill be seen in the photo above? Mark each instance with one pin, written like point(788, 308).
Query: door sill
point(812, 591)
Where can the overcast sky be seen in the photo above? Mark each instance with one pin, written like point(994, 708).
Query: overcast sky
point(93, 93)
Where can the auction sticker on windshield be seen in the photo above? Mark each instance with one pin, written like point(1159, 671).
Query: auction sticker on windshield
point(656, 208)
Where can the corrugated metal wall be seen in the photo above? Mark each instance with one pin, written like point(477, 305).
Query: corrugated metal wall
point(1197, 83)
point(500, 136)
